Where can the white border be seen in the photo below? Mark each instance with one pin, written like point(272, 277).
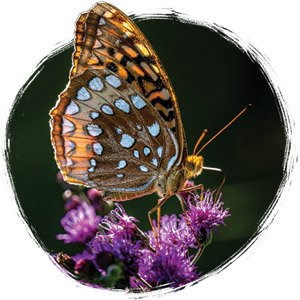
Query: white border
point(31, 29)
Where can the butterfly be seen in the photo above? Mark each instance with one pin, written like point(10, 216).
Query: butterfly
point(117, 126)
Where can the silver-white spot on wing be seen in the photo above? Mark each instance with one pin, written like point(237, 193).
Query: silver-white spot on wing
point(143, 168)
point(91, 169)
point(93, 162)
point(147, 151)
point(69, 161)
point(98, 148)
point(122, 164)
point(139, 127)
point(101, 21)
point(119, 131)
point(107, 109)
point(67, 126)
point(171, 161)
point(83, 94)
point(154, 162)
point(94, 115)
point(159, 151)
point(138, 102)
point(113, 80)
point(94, 129)
point(127, 141)
point(154, 129)
point(96, 84)
point(72, 108)
point(120, 175)
point(69, 146)
point(122, 105)
point(136, 153)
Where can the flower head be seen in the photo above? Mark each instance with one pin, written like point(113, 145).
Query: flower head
point(204, 215)
point(117, 243)
point(169, 266)
point(118, 223)
point(171, 263)
point(107, 248)
point(172, 232)
point(80, 224)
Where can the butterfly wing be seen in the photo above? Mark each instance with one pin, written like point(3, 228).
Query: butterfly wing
point(107, 136)
point(117, 125)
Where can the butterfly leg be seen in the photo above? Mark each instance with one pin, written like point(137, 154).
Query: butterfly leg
point(157, 207)
point(158, 219)
point(201, 248)
point(194, 188)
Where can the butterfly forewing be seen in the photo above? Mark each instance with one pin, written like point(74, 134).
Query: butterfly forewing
point(117, 125)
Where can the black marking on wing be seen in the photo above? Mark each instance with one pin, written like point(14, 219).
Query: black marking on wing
point(124, 60)
point(112, 67)
point(169, 117)
point(130, 77)
point(165, 103)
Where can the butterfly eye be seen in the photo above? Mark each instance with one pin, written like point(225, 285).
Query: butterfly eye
point(190, 165)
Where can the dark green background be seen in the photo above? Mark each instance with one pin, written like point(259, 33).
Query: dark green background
point(213, 80)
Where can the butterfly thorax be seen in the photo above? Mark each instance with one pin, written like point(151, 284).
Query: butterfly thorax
point(177, 177)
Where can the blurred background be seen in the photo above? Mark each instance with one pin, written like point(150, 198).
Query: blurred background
point(213, 80)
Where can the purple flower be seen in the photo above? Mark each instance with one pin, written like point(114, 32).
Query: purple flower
point(172, 232)
point(120, 239)
point(118, 242)
point(120, 255)
point(171, 263)
point(204, 215)
point(107, 248)
point(80, 224)
point(119, 223)
point(169, 266)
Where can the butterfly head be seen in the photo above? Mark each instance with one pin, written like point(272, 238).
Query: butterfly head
point(193, 165)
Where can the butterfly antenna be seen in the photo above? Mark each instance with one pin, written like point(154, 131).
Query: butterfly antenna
point(238, 115)
point(199, 140)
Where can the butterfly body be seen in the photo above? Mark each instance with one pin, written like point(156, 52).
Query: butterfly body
point(117, 126)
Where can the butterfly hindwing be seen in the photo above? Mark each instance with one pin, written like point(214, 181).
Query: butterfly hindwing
point(108, 136)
